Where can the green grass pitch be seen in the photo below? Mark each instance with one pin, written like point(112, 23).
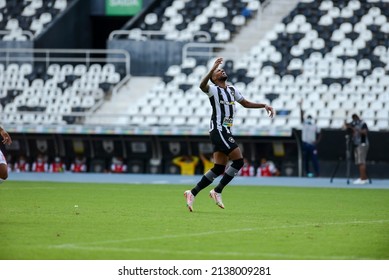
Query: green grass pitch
point(41, 220)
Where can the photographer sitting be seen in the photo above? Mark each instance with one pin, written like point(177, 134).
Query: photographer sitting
point(358, 130)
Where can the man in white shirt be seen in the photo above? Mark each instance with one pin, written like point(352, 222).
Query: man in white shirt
point(310, 136)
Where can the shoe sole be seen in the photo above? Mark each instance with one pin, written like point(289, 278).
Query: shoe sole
point(189, 207)
point(214, 199)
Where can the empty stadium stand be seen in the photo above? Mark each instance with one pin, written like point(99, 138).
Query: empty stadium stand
point(25, 20)
point(183, 20)
point(332, 55)
point(56, 90)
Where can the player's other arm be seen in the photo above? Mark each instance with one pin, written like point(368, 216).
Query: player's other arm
point(248, 104)
point(4, 134)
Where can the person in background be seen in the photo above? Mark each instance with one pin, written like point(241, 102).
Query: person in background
point(310, 137)
point(40, 164)
point(207, 162)
point(247, 169)
point(79, 164)
point(57, 166)
point(118, 165)
point(361, 146)
point(21, 165)
point(3, 162)
point(187, 164)
point(267, 169)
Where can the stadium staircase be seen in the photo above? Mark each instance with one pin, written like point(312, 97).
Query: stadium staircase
point(115, 110)
point(272, 12)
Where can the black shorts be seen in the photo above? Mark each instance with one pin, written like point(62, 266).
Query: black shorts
point(222, 141)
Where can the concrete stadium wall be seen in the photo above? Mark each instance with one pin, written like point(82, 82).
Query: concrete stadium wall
point(138, 150)
point(151, 57)
point(71, 30)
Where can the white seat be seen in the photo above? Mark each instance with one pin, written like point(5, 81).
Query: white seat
point(45, 18)
point(380, 20)
point(326, 5)
point(323, 123)
point(221, 12)
point(354, 5)
point(294, 122)
point(382, 125)
point(28, 11)
point(137, 120)
point(165, 120)
point(254, 5)
point(60, 4)
point(12, 24)
point(151, 18)
point(368, 114)
point(382, 114)
point(217, 26)
point(279, 121)
point(179, 120)
point(295, 64)
point(337, 123)
point(251, 122)
point(173, 111)
point(36, 25)
point(151, 120)
point(173, 70)
point(265, 121)
point(376, 105)
point(385, 27)
point(325, 113)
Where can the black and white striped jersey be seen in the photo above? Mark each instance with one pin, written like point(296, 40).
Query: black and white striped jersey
point(223, 106)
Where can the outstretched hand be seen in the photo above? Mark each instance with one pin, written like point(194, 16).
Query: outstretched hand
point(270, 111)
point(218, 61)
point(6, 138)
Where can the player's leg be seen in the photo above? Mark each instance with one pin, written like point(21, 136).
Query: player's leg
point(315, 161)
point(306, 157)
point(237, 162)
point(219, 167)
point(206, 180)
point(362, 166)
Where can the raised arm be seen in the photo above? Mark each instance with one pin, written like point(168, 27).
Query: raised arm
point(204, 82)
point(248, 104)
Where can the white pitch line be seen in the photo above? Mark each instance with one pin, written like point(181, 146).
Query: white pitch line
point(66, 245)
point(213, 253)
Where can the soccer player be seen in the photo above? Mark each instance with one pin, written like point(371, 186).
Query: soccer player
point(222, 98)
point(3, 163)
